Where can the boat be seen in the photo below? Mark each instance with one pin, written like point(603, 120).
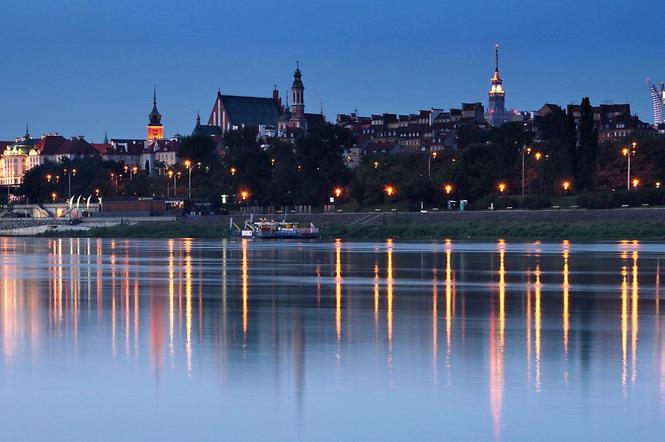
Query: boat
point(269, 229)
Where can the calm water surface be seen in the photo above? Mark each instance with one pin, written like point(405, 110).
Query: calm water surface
point(216, 340)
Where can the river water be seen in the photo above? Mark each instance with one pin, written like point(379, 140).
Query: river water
point(222, 340)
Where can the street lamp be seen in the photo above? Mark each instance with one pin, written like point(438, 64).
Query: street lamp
point(244, 194)
point(376, 164)
point(429, 163)
point(448, 188)
point(48, 177)
point(69, 181)
point(525, 150)
point(636, 182)
point(628, 153)
point(54, 196)
point(168, 183)
point(502, 187)
point(189, 165)
point(389, 190)
point(565, 185)
point(233, 171)
point(337, 192)
point(657, 184)
point(115, 178)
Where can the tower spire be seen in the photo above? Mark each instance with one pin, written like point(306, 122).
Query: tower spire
point(27, 130)
point(497, 57)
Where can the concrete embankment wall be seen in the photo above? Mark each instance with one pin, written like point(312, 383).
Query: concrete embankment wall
point(652, 214)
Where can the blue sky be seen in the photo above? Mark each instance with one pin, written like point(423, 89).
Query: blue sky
point(81, 67)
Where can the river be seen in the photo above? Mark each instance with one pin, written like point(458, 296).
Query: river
point(239, 340)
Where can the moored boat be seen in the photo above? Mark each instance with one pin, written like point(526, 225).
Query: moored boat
point(269, 229)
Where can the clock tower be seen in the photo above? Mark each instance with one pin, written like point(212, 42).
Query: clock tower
point(155, 127)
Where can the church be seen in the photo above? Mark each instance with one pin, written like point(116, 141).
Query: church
point(268, 115)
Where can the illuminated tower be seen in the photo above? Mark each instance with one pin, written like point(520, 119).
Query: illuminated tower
point(298, 96)
point(497, 97)
point(155, 127)
point(657, 102)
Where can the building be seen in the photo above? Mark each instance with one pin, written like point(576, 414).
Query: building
point(155, 127)
point(428, 130)
point(55, 148)
point(267, 115)
point(657, 102)
point(613, 122)
point(496, 112)
point(17, 158)
point(148, 155)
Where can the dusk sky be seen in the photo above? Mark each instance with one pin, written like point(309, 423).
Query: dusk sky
point(81, 67)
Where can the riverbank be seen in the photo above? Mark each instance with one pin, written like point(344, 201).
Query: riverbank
point(596, 231)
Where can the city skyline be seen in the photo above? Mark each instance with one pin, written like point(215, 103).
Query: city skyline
point(89, 85)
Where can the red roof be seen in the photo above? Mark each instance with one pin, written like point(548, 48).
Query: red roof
point(102, 148)
point(56, 145)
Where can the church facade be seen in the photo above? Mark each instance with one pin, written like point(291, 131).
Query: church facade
point(269, 115)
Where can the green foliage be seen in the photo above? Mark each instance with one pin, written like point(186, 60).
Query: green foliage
point(633, 198)
point(198, 149)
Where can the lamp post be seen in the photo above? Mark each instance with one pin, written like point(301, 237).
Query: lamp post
point(69, 181)
point(448, 189)
point(114, 179)
point(168, 183)
point(429, 163)
point(502, 188)
point(189, 165)
point(628, 153)
point(525, 150)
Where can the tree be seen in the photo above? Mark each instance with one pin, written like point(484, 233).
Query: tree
point(587, 147)
point(198, 149)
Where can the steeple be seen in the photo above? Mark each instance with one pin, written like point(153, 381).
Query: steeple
point(298, 95)
point(106, 137)
point(198, 119)
point(155, 116)
point(155, 127)
point(27, 131)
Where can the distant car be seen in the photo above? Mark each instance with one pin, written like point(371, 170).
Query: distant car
point(74, 221)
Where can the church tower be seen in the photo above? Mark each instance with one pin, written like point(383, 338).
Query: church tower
point(298, 96)
point(155, 127)
point(497, 97)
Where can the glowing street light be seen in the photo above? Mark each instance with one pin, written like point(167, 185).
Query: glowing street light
point(657, 184)
point(389, 190)
point(448, 188)
point(628, 153)
point(429, 163)
point(233, 171)
point(337, 192)
point(538, 156)
point(244, 195)
point(49, 177)
point(502, 187)
point(636, 183)
point(54, 196)
point(69, 181)
point(565, 185)
point(376, 164)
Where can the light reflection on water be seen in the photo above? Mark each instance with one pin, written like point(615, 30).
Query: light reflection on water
point(330, 341)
